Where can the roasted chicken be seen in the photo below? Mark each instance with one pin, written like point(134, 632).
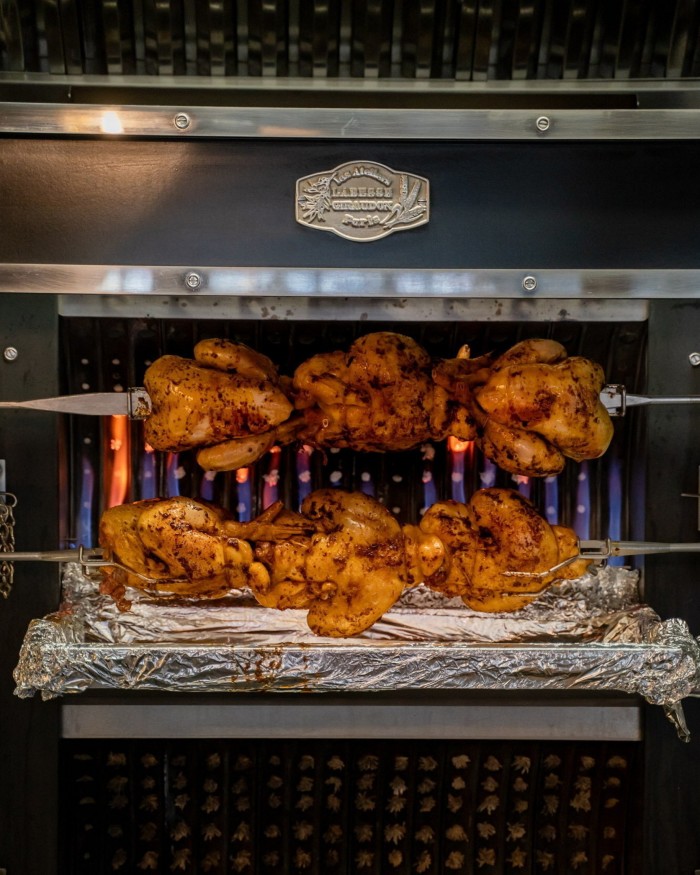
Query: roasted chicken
point(528, 410)
point(538, 407)
point(179, 546)
point(345, 559)
point(228, 391)
point(347, 574)
point(496, 548)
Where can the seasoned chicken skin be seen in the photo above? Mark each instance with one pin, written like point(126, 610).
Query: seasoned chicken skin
point(379, 395)
point(345, 559)
point(227, 392)
point(538, 407)
point(347, 574)
point(496, 546)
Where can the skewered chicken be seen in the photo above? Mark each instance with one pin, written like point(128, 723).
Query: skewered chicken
point(227, 392)
point(345, 559)
point(347, 574)
point(528, 410)
point(538, 406)
point(178, 546)
point(495, 548)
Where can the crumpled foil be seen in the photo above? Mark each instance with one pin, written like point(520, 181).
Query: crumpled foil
point(592, 633)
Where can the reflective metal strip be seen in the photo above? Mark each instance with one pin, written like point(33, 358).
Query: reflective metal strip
point(354, 309)
point(283, 719)
point(678, 90)
point(245, 282)
point(341, 123)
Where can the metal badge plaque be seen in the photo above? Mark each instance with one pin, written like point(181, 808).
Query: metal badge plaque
point(362, 201)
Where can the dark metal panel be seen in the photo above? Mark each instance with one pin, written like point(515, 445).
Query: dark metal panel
point(231, 203)
point(30, 728)
point(672, 841)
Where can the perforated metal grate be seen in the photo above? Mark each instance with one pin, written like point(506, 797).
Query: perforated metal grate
point(339, 807)
point(442, 39)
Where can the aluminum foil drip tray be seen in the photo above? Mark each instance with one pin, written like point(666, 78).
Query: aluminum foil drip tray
point(592, 633)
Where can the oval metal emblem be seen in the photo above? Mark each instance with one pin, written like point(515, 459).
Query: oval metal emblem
point(362, 201)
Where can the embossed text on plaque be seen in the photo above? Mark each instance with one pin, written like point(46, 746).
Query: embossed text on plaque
point(362, 201)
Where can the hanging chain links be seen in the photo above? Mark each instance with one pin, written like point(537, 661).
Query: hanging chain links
point(8, 502)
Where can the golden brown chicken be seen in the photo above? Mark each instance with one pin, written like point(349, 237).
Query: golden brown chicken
point(228, 391)
point(496, 548)
point(353, 570)
point(344, 559)
point(379, 395)
point(528, 410)
point(537, 407)
point(179, 546)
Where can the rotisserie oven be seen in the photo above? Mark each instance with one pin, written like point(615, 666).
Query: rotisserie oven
point(370, 550)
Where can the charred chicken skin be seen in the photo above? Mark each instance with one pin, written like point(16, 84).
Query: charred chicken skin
point(528, 410)
point(345, 559)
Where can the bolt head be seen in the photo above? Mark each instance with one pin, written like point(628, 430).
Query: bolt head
point(694, 359)
point(193, 280)
point(542, 123)
point(10, 353)
point(530, 283)
point(182, 121)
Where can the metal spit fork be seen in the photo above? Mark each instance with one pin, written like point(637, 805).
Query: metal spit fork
point(598, 552)
point(136, 402)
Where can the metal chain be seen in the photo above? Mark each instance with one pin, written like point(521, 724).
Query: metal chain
point(8, 502)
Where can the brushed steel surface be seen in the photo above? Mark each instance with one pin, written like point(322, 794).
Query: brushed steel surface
point(87, 279)
point(618, 721)
point(356, 123)
point(355, 308)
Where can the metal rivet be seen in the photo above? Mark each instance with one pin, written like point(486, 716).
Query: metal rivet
point(694, 359)
point(542, 123)
point(182, 121)
point(529, 283)
point(10, 353)
point(193, 280)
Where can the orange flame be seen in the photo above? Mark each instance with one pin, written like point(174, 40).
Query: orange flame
point(242, 475)
point(119, 447)
point(455, 445)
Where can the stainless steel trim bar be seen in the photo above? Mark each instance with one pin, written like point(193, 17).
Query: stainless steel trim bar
point(353, 85)
point(397, 284)
point(357, 309)
point(618, 721)
point(349, 123)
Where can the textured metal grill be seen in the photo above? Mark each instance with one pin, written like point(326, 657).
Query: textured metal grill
point(414, 39)
point(7, 540)
point(349, 807)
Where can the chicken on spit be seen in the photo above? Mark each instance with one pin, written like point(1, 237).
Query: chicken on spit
point(537, 407)
point(345, 559)
point(228, 391)
point(528, 410)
